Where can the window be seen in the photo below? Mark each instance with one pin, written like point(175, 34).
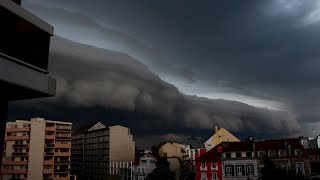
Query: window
point(229, 170)
point(271, 153)
point(203, 176)
point(248, 154)
point(282, 153)
point(299, 168)
point(214, 176)
point(228, 155)
point(238, 154)
point(143, 161)
point(250, 170)
point(213, 165)
point(261, 153)
point(203, 165)
point(240, 170)
point(297, 152)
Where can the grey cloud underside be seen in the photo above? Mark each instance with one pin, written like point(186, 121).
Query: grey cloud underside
point(89, 76)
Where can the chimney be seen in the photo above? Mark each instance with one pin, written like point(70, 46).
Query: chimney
point(216, 129)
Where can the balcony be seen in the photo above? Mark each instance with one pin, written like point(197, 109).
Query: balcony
point(62, 170)
point(63, 137)
point(49, 137)
point(20, 146)
point(48, 162)
point(62, 146)
point(49, 145)
point(62, 154)
point(19, 154)
point(61, 162)
point(15, 163)
point(61, 178)
point(16, 138)
point(26, 129)
point(63, 129)
point(49, 153)
point(14, 171)
point(47, 171)
point(50, 129)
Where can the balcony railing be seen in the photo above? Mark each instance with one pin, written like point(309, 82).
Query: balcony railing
point(62, 146)
point(62, 162)
point(25, 129)
point(49, 136)
point(62, 170)
point(63, 137)
point(49, 153)
point(20, 145)
point(50, 128)
point(47, 171)
point(15, 163)
point(19, 154)
point(62, 154)
point(48, 162)
point(14, 138)
point(14, 171)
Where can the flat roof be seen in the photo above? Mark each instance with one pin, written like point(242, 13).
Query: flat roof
point(24, 14)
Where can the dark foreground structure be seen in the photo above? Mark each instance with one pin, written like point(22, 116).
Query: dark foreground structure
point(24, 50)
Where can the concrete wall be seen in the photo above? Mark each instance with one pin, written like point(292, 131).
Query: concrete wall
point(36, 153)
point(121, 145)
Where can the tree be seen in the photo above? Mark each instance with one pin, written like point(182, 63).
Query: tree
point(162, 171)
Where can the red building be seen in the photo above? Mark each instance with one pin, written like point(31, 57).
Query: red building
point(208, 164)
point(228, 160)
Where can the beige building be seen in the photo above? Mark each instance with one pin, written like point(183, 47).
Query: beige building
point(221, 135)
point(173, 151)
point(37, 149)
point(96, 147)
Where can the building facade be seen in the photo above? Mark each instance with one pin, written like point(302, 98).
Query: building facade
point(228, 160)
point(285, 153)
point(221, 135)
point(96, 148)
point(145, 165)
point(24, 49)
point(37, 149)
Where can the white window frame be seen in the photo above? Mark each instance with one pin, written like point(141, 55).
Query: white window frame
point(204, 176)
point(215, 167)
point(214, 176)
point(250, 167)
point(237, 170)
point(203, 166)
point(229, 171)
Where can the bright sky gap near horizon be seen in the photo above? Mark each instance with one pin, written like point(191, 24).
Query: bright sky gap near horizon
point(264, 54)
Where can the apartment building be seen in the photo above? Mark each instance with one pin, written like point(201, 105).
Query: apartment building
point(96, 147)
point(37, 149)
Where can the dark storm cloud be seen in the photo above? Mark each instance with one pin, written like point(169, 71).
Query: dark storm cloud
point(262, 49)
point(92, 77)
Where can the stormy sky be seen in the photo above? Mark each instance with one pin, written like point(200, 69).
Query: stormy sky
point(173, 69)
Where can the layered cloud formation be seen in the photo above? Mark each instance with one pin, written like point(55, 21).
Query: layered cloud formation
point(90, 76)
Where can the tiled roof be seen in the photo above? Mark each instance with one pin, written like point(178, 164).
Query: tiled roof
point(278, 144)
point(211, 155)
